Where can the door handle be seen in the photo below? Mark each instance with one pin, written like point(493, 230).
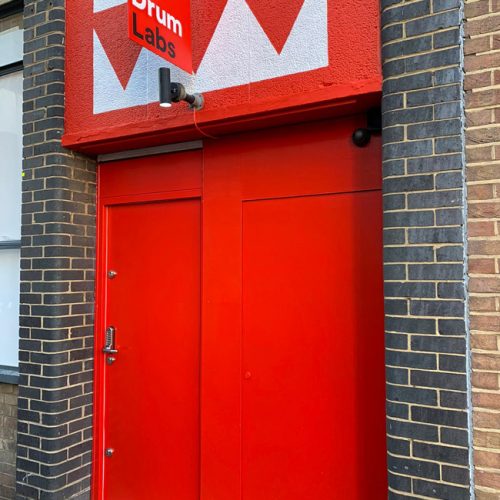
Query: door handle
point(109, 347)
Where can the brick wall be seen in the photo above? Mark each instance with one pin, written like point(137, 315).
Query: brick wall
point(57, 262)
point(482, 84)
point(423, 169)
point(8, 423)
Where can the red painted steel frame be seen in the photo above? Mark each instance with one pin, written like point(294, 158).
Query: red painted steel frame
point(304, 174)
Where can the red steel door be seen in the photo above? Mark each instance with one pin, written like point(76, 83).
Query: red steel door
point(150, 385)
point(276, 391)
point(293, 358)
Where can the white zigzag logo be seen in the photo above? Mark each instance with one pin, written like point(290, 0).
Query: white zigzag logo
point(239, 53)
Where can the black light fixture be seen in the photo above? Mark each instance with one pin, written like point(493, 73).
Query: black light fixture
point(176, 92)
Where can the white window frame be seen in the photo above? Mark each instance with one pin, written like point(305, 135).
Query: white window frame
point(10, 374)
point(7, 10)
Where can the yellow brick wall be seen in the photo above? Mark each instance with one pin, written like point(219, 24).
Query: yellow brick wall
point(8, 425)
point(482, 85)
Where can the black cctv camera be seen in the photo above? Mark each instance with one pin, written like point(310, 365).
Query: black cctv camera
point(362, 136)
point(176, 92)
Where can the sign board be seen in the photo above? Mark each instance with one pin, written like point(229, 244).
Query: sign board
point(163, 27)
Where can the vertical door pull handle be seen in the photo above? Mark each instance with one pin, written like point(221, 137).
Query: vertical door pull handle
point(109, 347)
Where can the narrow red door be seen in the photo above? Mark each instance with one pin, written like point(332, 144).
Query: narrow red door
point(293, 364)
point(151, 390)
point(150, 376)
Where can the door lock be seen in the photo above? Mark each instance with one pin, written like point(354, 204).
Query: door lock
point(109, 452)
point(109, 347)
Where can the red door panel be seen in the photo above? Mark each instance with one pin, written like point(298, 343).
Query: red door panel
point(304, 159)
point(166, 173)
point(306, 302)
point(152, 389)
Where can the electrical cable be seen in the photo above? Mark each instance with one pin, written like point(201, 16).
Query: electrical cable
point(198, 127)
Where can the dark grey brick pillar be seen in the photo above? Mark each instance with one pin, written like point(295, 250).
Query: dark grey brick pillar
point(426, 333)
point(57, 262)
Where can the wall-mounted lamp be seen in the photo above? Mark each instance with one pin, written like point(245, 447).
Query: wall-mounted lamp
point(176, 92)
